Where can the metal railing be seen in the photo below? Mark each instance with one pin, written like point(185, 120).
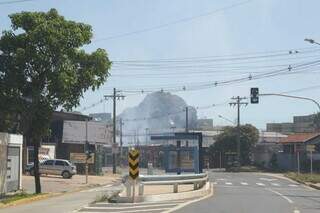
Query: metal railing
point(198, 181)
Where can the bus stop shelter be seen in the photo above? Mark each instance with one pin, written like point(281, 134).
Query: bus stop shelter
point(183, 153)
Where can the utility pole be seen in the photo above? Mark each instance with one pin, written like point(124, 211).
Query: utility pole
point(115, 96)
point(187, 119)
point(147, 129)
point(86, 151)
point(238, 102)
point(121, 143)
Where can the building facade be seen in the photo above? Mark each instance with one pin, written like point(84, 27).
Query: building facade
point(300, 124)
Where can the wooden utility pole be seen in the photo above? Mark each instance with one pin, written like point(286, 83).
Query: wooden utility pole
point(187, 119)
point(114, 96)
point(238, 102)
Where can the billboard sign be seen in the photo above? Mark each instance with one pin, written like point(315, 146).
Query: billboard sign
point(97, 132)
point(81, 158)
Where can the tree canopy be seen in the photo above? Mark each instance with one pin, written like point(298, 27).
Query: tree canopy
point(227, 141)
point(42, 69)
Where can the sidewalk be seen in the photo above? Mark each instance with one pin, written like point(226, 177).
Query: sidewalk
point(70, 194)
point(64, 203)
point(56, 184)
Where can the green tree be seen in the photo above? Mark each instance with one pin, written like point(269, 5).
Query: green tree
point(227, 141)
point(42, 69)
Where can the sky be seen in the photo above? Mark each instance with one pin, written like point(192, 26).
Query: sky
point(216, 28)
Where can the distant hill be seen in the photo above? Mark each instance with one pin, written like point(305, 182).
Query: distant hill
point(158, 111)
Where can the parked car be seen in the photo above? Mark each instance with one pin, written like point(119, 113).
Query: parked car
point(54, 167)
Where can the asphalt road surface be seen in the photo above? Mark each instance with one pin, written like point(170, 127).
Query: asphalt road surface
point(256, 193)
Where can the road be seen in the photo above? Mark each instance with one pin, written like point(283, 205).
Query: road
point(233, 193)
point(254, 192)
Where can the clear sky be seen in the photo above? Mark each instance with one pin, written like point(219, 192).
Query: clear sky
point(255, 26)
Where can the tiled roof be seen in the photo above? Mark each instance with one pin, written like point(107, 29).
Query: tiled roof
point(298, 137)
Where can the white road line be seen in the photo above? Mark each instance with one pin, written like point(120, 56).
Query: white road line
point(215, 183)
point(268, 179)
point(244, 183)
point(296, 210)
point(281, 195)
point(220, 179)
point(260, 184)
point(275, 184)
point(228, 183)
point(293, 185)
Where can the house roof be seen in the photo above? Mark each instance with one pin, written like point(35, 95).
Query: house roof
point(299, 138)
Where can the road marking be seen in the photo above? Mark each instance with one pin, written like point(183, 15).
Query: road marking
point(244, 183)
point(260, 184)
point(296, 210)
point(190, 202)
point(268, 179)
point(215, 183)
point(220, 179)
point(275, 184)
point(281, 195)
point(228, 183)
point(293, 185)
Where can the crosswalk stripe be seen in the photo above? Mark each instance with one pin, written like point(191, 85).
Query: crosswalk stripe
point(260, 184)
point(293, 185)
point(244, 183)
point(275, 184)
point(228, 183)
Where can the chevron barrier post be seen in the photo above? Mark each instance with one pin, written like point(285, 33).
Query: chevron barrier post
point(133, 169)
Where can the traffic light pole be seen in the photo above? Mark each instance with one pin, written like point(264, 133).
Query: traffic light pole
point(291, 96)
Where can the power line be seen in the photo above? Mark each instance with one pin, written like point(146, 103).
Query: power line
point(14, 2)
point(240, 56)
point(183, 20)
point(209, 84)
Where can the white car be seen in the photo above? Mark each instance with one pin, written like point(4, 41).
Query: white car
point(54, 167)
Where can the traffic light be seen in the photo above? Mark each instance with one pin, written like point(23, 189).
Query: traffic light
point(254, 95)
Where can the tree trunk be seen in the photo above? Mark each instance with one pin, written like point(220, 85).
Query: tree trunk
point(36, 167)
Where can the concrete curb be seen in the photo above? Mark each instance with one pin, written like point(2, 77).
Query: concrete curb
point(207, 189)
point(309, 184)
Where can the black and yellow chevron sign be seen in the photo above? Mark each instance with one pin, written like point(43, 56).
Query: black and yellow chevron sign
point(134, 164)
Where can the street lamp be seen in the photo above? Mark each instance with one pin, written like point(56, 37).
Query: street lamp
point(311, 41)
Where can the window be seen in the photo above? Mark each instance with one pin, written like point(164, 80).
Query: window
point(48, 162)
point(60, 163)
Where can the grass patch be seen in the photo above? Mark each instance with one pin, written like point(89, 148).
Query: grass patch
point(306, 178)
point(13, 198)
